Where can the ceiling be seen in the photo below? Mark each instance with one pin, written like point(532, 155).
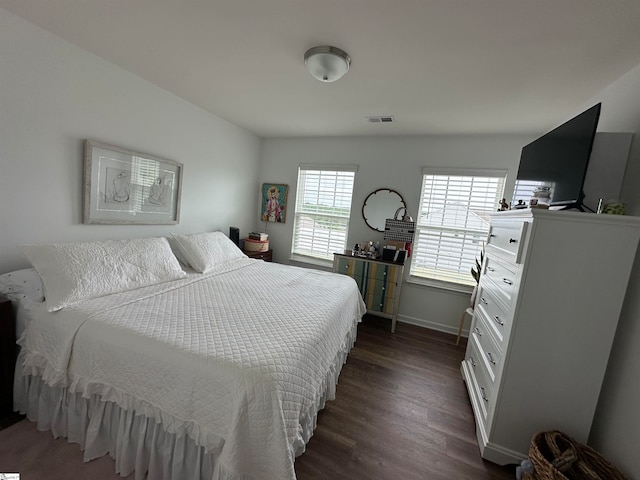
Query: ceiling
point(437, 66)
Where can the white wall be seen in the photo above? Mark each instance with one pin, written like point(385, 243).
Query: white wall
point(616, 430)
point(54, 95)
point(396, 163)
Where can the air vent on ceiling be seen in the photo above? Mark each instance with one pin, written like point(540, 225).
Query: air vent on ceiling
point(381, 119)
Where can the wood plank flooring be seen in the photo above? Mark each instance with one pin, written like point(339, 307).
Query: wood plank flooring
point(401, 412)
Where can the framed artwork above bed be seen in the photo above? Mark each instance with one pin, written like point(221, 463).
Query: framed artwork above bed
point(126, 187)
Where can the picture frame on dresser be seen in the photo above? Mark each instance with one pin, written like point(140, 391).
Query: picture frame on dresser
point(122, 186)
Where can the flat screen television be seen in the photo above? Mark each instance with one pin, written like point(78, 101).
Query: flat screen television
point(559, 159)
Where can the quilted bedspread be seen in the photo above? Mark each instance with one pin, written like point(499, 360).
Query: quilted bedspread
point(239, 359)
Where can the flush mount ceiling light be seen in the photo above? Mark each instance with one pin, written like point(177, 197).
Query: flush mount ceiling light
point(326, 63)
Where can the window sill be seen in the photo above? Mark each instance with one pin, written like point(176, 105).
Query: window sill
point(319, 262)
point(452, 287)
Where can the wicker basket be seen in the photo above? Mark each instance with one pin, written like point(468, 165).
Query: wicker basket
point(556, 456)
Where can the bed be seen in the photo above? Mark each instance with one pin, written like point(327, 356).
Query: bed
point(214, 368)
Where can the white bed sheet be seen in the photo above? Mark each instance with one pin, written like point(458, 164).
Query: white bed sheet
point(237, 359)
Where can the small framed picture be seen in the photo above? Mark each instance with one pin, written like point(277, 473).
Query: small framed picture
point(274, 202)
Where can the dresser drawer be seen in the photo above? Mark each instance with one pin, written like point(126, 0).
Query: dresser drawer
point(350, 266)
point(503, 276)
point(494, 309)
point(506, 237)
point(382, 272)
point(490, 353)
point(382, 304)
point(482, 388)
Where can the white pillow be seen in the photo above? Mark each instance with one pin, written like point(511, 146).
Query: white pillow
point(72, 272)
point(205, 251)
point(22, 283)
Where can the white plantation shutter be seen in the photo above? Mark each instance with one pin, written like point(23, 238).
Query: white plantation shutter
point(523, 190)
point(323, 208)
point(453, 223)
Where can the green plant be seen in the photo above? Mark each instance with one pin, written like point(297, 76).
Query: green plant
point(475, 271)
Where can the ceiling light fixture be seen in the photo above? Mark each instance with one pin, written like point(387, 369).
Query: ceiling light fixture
point(326, 63)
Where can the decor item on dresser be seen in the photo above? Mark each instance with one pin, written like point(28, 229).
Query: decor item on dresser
point(274, 202)
point(399, 234)
point(380, 205)
point(379, 282)
point(207, 375)
point(127, 187)
point(541, 332)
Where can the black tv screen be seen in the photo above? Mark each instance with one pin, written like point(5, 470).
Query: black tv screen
point(559, 159)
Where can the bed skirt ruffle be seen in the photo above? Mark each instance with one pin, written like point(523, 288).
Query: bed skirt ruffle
point(139, 443)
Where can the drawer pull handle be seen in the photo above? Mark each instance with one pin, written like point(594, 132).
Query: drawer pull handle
point(490, 269)
point(490, 357)
point(484, 396)
point(498, 321)
point(512, 240)
point(472, 362)
point(482, 299)
point(478, 332)
point(493, 235)
point(507, 281)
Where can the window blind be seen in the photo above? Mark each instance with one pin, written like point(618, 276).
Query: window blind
point(523, 190)
point(322, 211)
point(453, 223)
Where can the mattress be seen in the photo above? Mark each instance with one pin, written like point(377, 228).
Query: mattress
point(237, 359)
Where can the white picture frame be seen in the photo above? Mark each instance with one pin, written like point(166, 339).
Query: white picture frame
point(123, 186)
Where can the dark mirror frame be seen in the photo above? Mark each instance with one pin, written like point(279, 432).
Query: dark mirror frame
point(384, 211)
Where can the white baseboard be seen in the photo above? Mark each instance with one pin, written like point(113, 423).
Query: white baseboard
point(439, 327)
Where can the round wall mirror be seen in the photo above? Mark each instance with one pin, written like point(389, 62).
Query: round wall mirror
point(380, 205)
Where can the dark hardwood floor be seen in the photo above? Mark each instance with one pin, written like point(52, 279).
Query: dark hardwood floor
point(401, 412)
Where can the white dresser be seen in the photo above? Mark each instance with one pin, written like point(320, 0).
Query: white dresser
point(551, 291)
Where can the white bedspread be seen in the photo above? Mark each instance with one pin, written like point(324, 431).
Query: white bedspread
point(237, 359)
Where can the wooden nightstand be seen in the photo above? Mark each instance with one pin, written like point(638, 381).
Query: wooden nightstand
point(8, 352)
point(266, 256)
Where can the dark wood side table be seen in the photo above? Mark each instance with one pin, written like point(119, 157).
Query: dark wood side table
point(8, 353)
point(266, 256)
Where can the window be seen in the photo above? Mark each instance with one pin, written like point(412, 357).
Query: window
point(453, 223)
point(523, 190)
point(323, 208)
